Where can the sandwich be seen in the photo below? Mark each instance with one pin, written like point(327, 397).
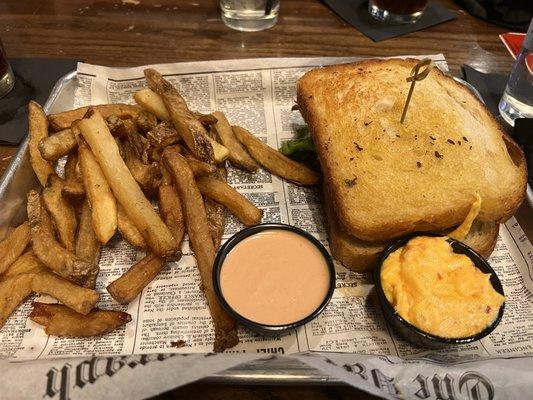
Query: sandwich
point(385, 179)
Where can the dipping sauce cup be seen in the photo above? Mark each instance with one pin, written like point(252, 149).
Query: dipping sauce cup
point(273, 277)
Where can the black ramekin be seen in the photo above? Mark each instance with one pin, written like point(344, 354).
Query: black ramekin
point(417, 336)
point(258, 327)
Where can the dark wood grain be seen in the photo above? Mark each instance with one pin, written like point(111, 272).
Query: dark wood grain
point(109, 32)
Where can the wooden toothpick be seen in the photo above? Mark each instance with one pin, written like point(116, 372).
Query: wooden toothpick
point(413, 78)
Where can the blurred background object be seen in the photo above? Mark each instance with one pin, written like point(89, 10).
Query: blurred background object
point(397, 12)
point(514, 14)
point(7, 79)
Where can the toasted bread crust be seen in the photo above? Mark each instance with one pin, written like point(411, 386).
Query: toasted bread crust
point(361, 256)
point(387, 179)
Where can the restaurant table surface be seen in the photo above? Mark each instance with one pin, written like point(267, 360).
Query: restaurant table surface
point(137, 32)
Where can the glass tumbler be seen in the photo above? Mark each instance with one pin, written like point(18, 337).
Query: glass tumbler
point(517, 99)
point(249, 15)
point(397, 11)
point(7, 79)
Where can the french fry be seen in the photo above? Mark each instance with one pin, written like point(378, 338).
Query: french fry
point(126, 288)
point(129, 231)
point(189, 128)
point(224, 194)
point(201, 243)
point(61, 211)
point(45, 246)
point(141, 145)
point(216, 218)
point(199, 168)
point(64, 119)
point(12, 292)
point(87, 244)
point(274, 161)
point(25, 264)
point(216, 212)
point(206, 119)
point(59, 320)
point(146, 121)
point(57, 145)
point(220, 153)
point(144, 174)
point(80, 299)
point(171, 211)
point(14, 245)
point(38, 130)
point(119, 127)
point(73, 187)
point(164, 134)
point(125, 188)
point(237, 154)
point(152, 102)
point(101, 199)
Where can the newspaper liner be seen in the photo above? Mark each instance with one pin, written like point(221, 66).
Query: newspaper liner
point(259, 94)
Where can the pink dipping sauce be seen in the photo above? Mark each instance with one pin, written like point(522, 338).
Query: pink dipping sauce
point(275, 277)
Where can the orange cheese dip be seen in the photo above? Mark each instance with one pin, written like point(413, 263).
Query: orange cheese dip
point(439, 291)
point(275, 277)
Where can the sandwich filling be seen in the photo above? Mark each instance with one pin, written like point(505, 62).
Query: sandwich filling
point(439, 291)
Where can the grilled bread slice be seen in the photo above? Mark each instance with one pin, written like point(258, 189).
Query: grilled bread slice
point(387, 179)
point(361, 256)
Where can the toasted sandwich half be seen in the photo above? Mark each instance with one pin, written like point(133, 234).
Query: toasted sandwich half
point(386, 179)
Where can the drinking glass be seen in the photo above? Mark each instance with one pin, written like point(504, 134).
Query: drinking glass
point(249, 15)
point(397, 11)
point(7, 79)
point(517, 99)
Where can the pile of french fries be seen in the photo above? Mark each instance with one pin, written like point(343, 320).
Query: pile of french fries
point(119, 158)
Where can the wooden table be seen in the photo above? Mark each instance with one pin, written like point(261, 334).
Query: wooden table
point(121, 33)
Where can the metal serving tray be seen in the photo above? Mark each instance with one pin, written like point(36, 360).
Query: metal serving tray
point(18, 180)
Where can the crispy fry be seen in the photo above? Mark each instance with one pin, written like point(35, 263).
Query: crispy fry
point(141, 146)
point(201, 244)
point(78, 298)
point(189, 128)
point(25, 264)
point(220, 153)
point(224, 194)
point(237, 154)
point(128, 230)
point(274, 161)
point(153, 103)
point(45, 246)
point(126, 288)
point(163, 135)
point(73, 187)
point(64, 119)
point(216, 218)
point(127, 191)
point(38, 130)
point(87, 244)
point(101, 199)
point(199, 168)
point(121, 128)
point(144, 174)
point(171, 211)
point(216, 212)
point(59, 144)
point(146, 121)
point(13, 245)
point(59, 320)
point(61, 211)
point(12, 292)
point(206, 119)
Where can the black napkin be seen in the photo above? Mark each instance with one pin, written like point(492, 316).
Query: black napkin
point(355, 12)
point(34, 79)
point(491, 87)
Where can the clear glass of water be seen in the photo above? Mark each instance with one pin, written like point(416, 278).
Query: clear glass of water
point(517, 99)
point(249, 15)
